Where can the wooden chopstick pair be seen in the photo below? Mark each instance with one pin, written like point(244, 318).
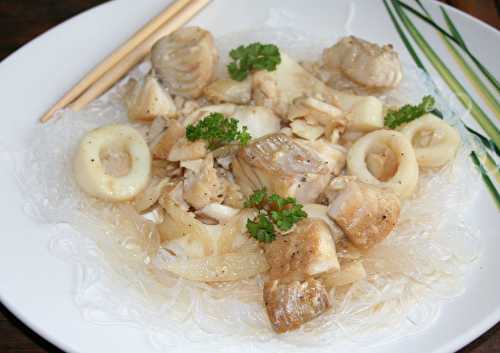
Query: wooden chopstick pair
point(115, 66)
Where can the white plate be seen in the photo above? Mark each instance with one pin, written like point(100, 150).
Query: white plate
point(37, 287)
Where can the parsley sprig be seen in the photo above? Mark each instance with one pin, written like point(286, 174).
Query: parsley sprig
point(408, 112)
point(261, 228)
point(255, 56)
point(217, 130)
point(275, 212)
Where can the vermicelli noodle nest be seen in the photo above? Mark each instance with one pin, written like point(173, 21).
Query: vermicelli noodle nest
point(120, 279)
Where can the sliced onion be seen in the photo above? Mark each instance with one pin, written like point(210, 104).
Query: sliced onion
point(221, 268)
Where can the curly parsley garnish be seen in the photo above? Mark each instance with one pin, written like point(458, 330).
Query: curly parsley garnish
point(255, 56)
point(217, 130)
point(274, 212)
point(408, 112)
point(261, 228)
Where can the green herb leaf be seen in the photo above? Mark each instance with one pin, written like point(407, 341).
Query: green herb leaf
point(286, 218)
point(408, 112)
point(244, 136)
point(278, 202)
point(281, 213)
point(256, 199)
point(217, 131)
point(255, 56)
point(261, 228)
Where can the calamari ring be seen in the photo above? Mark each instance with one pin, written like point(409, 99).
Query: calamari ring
point(435, 154)
point(90, 172)
point(404, 180)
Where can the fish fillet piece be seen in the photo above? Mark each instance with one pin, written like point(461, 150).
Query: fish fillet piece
point(281, 165)
point(289, 305)
point(185, 61)
point(366, 214)
point(365, 63)
point(307, 251)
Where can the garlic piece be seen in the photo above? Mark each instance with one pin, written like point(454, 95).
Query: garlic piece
point(306, 131)
point(366, 115)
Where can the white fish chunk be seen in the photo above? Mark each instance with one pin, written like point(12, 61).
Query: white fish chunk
point(185, 61)
point(365, 63)
point(281, 165)
point(289, 305)
point(365, 213)
point(307, 251)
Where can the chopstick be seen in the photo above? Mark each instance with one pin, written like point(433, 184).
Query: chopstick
point(116, 56)
point(129, 54)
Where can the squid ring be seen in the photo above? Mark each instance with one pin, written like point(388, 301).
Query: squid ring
point(90, 172)
point(434, 154)
point(404, 180)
